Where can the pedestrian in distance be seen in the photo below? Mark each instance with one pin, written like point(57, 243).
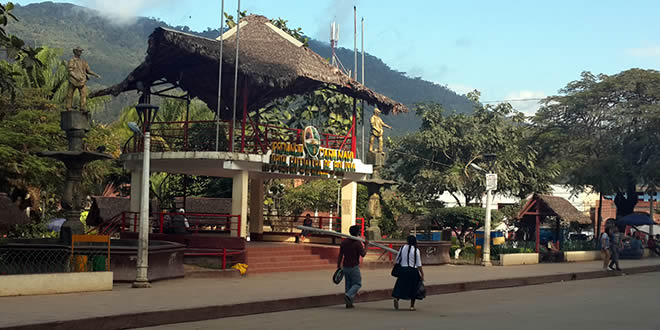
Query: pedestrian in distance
point(350, 252)
point(411, 274)
point(605, 247)
point(653, 245)
point(307, 222)
point(615, 248)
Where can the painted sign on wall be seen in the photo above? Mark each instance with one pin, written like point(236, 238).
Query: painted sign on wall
point(309, 158)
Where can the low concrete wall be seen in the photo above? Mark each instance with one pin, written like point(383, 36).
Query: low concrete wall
point(574, 256)
point(511, 259)
point(33, 284)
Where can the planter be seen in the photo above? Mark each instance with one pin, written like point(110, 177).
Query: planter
point(574, 256)
point(511, 259)
point(35, 284)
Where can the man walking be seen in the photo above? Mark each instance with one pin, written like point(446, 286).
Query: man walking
point(351, 251)
point(615, 248)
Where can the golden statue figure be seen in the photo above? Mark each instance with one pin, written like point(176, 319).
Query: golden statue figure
point(78, 71)
point(377, 125)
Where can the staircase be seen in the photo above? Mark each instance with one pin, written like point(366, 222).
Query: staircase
point(271, 258)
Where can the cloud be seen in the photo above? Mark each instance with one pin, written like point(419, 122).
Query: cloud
point(529, 103)
point(124, 11)
point(648, 51)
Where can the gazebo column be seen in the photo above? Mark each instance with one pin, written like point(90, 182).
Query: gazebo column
point(538, 229)
point(348, 205)
point(239, 202)
point(256, 209)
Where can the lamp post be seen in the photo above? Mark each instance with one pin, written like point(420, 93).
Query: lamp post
point(145, 112)
point(491, 184)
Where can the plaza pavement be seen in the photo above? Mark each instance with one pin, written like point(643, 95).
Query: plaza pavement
point(185, 300)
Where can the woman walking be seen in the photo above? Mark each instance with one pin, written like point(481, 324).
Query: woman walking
point(605, 247)
point(411, 273)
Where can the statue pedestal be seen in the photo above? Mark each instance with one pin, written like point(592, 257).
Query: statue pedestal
point(72, 226)
point(373, 232)
point(376, 158)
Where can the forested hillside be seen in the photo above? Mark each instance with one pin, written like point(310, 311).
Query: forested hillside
point(114, 50)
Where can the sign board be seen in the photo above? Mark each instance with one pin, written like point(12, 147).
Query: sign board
point(491, 181)
point(309, 158)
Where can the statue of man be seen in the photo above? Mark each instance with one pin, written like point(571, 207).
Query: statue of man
point(78, 71)
point(377, 131)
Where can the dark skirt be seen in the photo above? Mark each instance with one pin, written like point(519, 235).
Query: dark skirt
point(406, 284)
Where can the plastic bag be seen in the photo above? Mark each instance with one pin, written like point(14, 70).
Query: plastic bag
point(242, 268)
point(421, 291)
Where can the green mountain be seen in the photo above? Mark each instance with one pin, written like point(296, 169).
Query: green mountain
point(113, 50)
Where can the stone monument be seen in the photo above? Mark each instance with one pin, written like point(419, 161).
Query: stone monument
point(76, 124)
point(374, 183)
point(78, 70)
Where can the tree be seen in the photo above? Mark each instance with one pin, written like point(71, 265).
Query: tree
point(438, 158)
point(15, 50)
point(606, 129)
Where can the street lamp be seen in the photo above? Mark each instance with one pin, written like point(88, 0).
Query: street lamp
point(141, 279)
point(491, 184)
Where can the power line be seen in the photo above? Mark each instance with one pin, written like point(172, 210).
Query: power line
point(515, 100)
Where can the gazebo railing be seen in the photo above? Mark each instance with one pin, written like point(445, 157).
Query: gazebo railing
point(200, 135)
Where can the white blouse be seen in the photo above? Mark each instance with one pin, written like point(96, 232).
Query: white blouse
point(408, 258)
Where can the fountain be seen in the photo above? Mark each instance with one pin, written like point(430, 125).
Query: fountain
point(76, 124)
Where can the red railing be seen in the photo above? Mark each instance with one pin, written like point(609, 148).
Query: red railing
point(223, 254)
point(288, 224)
point(172, 223)
point(389, 254)
point(201, 136)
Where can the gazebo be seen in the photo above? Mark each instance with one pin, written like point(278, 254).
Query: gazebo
point(271, 64)
point(539, 207)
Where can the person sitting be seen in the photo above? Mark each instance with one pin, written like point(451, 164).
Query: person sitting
point(180, 223)
point(653, 246)
point(633, 250)
point(307, 223)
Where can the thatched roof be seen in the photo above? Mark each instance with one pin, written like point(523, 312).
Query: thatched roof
point(10, 214)
point(272, 64)
point(553, 206)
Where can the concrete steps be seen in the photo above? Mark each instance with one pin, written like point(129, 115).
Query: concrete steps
point(288, 258)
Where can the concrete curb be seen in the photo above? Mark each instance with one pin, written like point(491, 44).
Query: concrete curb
point(145, 319)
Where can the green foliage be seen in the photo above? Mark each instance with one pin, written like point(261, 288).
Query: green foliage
point(31, 230)
point(604, 132)
point(569, 245)
point(438, 157)
point(512, 247)
point(15, 50)
point(314, 195)
point(459, 219)
point(29, 125)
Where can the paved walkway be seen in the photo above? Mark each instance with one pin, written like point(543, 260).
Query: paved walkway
point(197, 293)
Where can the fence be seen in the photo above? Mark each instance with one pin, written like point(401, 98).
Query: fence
point(288, 224)
point(174, 223)
point(41, 256)
point(201, 136)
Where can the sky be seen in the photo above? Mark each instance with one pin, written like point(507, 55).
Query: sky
point(508, 50)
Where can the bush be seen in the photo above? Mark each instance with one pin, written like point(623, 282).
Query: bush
point(512, 247)
point(578, 246)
